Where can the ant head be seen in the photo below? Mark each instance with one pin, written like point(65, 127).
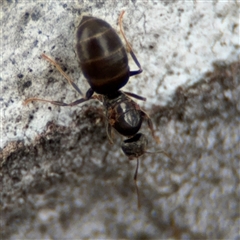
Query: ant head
point(135, 147)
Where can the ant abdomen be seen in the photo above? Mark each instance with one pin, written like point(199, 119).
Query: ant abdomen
point(102, 55)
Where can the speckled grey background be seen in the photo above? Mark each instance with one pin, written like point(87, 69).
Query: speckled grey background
point(61, 179)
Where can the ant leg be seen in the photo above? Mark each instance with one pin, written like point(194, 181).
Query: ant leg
point(107, 121)
point(136, 186)
point(63, 73)
point(89, 94)
point(109, 132)
point(150, 125)
point(135, 96)
point(63, 104)
point(132, 73)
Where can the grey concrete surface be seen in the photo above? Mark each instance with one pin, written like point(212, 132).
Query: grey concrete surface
point(60, 177)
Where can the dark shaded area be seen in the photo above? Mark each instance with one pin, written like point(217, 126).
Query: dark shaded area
point(63, 161)
point(18, 161)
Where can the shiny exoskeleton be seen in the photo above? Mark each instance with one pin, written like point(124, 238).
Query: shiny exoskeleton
point(104, 63)
point(123, 114)
point(103, 58)
point(126, 117)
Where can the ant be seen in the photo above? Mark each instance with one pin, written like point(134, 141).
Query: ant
point(104, 63)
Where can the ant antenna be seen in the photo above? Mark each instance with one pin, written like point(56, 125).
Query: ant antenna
point(135, 181)
point(136, 173)
point(163, 152)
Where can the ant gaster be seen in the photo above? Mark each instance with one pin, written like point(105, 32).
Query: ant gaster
point(104, 63)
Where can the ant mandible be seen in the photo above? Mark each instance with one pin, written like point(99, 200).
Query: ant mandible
point(104, 63)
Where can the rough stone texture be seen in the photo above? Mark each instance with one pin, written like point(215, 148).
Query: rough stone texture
point(61, 179)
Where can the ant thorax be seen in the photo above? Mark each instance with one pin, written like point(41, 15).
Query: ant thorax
point(123, 114)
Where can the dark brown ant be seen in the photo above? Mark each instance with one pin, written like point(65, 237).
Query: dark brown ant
point(104, 63)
